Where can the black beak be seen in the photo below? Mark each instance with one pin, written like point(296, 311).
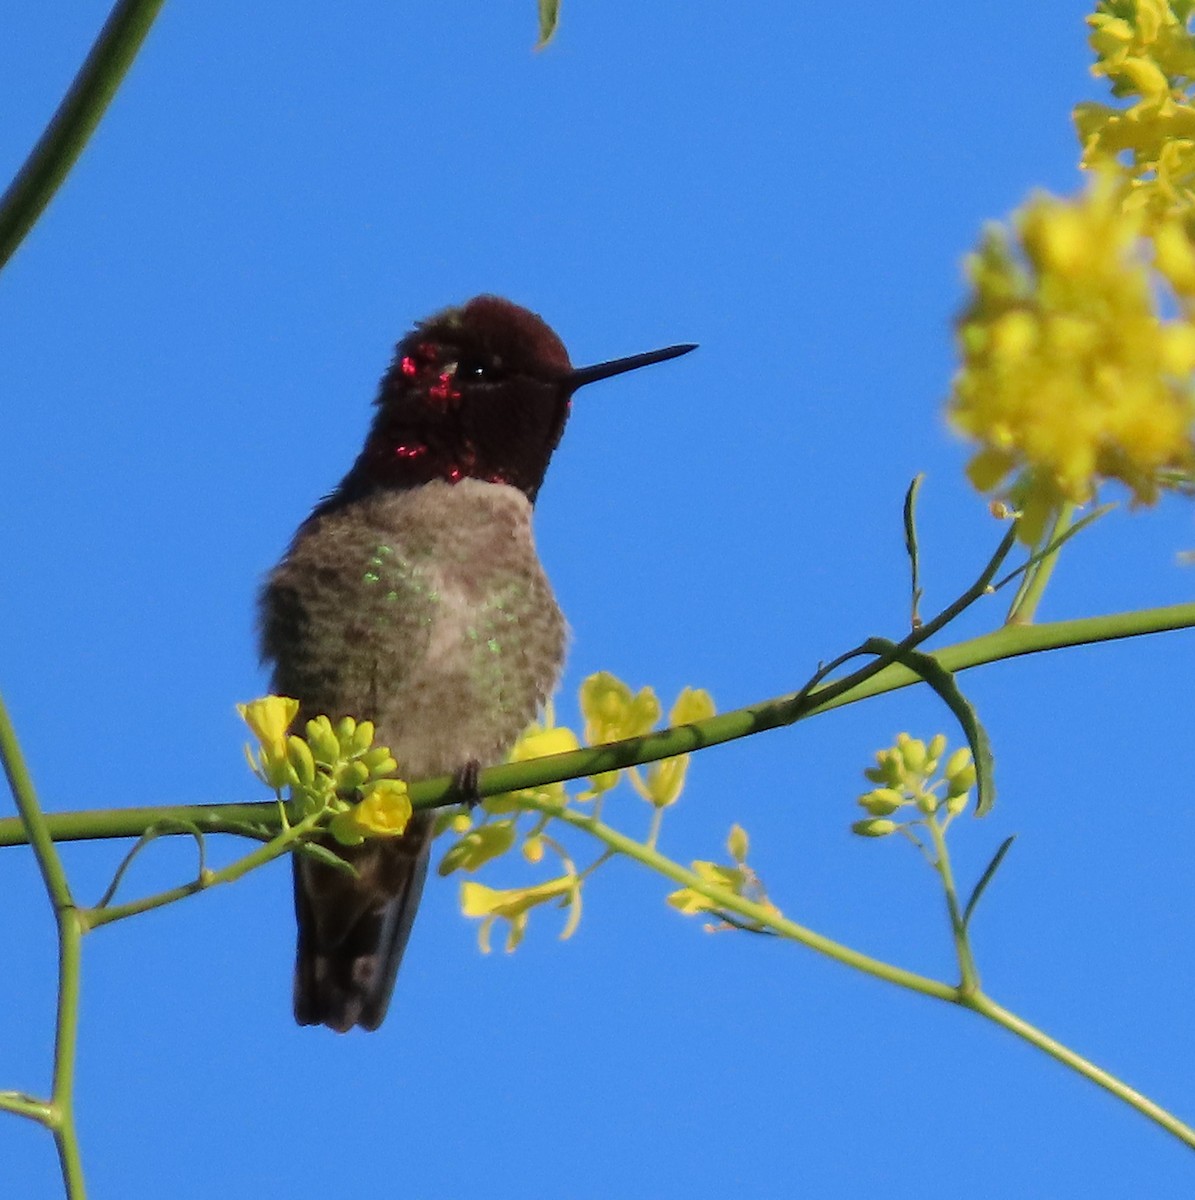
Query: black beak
point(583, 375)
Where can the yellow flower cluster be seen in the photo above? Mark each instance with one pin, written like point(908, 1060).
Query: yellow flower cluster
point(612, 712)
point(1070, 375)
point(335, 769)
point(1146, 51)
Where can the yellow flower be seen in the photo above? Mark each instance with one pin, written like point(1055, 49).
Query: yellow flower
point(612, 712)
point(1069, 374)
point(384, 811)
point(269, 718)
point(663, 781)
point(513, 905)
point(478, 847)
point(1147, 53)
point(538, 741)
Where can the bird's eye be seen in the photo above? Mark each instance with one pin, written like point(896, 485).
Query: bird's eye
point(477, 370)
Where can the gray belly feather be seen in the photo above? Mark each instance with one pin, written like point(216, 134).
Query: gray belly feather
point(426, 611)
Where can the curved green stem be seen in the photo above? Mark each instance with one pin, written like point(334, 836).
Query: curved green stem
point(72, 125)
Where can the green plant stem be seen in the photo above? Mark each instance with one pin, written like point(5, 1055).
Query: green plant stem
point(58, 1116)
point(22, 1105)
point(751, 910)
point(93, 918)
point(73, 123)
point(1010, 641)
point(66, 1038)
point(969, 997)
point(1033, 586)
point(986, 1007)
point(969, 982)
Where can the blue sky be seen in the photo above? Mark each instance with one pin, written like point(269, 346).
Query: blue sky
point(188, 346)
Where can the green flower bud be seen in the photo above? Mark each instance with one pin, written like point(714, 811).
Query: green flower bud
point(913, 752)
point(301, 760)
point(346, 728)
point(956, 804)
point(938, 746)
point(362, 737)
point(956, 762)
point(737, 843)
point(961, 781)
point(352, 775)
point(882, 801)
point(874, 827)
point(322, 740)
point(927, 802)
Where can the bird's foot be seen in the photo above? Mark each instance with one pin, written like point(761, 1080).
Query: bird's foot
point(465, 781)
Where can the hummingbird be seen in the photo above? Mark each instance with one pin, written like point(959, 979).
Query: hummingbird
point(413, 597)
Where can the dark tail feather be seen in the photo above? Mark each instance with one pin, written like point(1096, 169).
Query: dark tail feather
point(353, 930)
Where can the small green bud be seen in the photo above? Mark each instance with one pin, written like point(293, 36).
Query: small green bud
point(874, 827)
point(346, 728)
point(362, 737)
point(352, 775)
point(533, 849)
point(737, 843)
point(956, 762)
point(956, 804)
point(301, 760)
point(961, 781)
point(323, 741)
point(927, 802)
point(938, 746)
point(882, 801)
point(913, 753)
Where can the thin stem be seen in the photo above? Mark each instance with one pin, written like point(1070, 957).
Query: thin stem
point(759, 914)
point(66, 1038)
point(1033, 586)
point(72, 125)
point(987, 1007)
point(971, 998)
point(59, 1114)
point(969, 983)
point(93, 918)
point(23, 1105)
point(657, 820)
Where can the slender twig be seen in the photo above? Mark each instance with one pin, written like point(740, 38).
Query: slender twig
point(72, 125)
